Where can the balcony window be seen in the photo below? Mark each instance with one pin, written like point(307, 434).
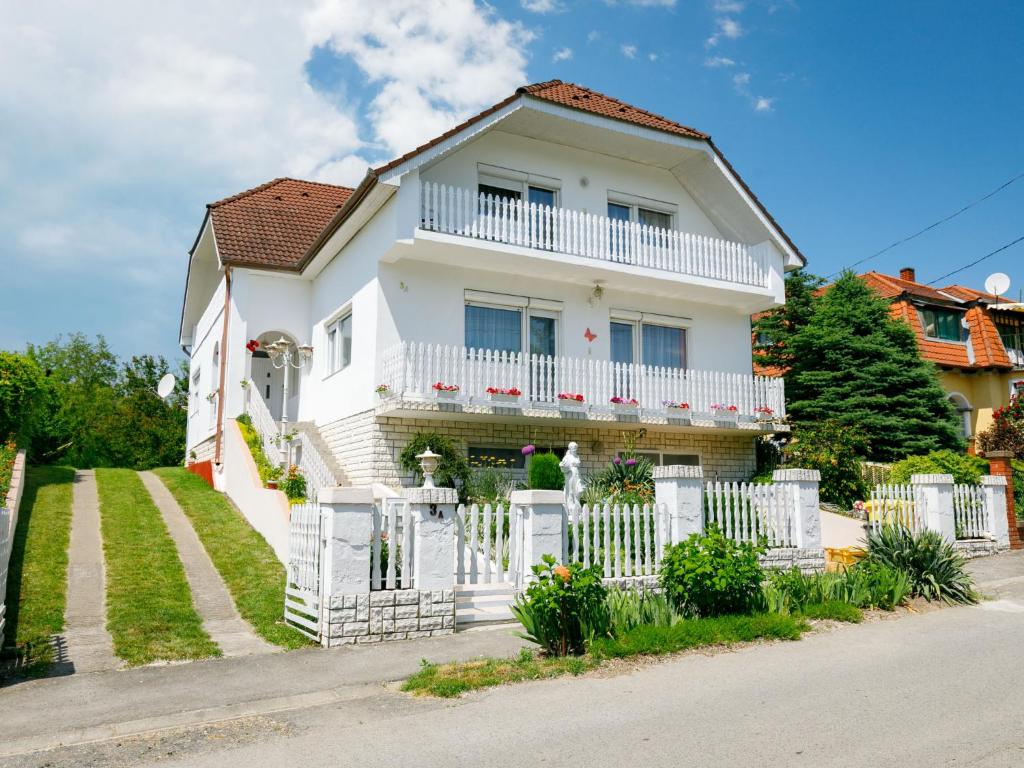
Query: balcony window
point(1011, 332)
point(623, 340)
point(339, 343)
point(494, 328)
point(655, 345)
point(942, 324)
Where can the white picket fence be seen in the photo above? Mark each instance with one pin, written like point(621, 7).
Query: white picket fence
point(411, 370)
point(897, 504)
point(487, 543)
point(458, 211)
point(623, 540)
point(392, 545)
point(970, 513)
point(304, 582)
point(751, 512)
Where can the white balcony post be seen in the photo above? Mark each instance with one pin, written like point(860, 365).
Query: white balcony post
point(680, 488)
point(806, 511)
point(433, 551)
point(994, 489)
point(348, 528)
point(542, 526)
point(937, 493)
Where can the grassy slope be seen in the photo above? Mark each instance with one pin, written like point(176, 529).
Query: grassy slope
point(37, 576)
point(253, 574)
point(150, 613)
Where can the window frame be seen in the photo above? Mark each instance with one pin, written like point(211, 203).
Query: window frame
point(196, 382)
point(922, 314)
point(661, 454)
point(332, 337)
point(518, 181)
point(636, 203)
point(637, 320)
point(526, 306)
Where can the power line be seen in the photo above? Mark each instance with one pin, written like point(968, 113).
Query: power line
point(976, 261)
point(932, 226)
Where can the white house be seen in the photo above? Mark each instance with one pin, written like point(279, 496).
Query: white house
point(561, 241)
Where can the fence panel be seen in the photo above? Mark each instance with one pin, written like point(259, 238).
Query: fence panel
point(304, 584)
point(969, 512)
point(751, 511)
point(485, 544)
point(622, 540)
point(392, 545)
point(901, 505)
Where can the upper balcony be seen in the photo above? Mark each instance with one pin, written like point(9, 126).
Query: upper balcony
point(586, 247)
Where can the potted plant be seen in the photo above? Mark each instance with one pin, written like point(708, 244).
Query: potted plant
point(725, 413)
point(446, 391)
point(510, 395)
point(273, 474)
point(677, 411)
point(570, 401)
point(382, 390)
point(764, 414)
point(622, 405)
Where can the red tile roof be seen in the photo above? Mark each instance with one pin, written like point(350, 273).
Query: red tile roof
point(274, 224)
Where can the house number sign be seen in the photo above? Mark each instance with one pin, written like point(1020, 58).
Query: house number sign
point(435, 512)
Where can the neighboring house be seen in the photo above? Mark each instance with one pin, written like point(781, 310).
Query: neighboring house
point(976, 339)
point(559, 241)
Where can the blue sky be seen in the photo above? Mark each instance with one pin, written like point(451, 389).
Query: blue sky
point(857, 123)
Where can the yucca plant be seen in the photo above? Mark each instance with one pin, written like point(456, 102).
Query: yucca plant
point(934, 567)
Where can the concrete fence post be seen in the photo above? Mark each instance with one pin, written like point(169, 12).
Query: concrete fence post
point(995, 490)
point(433, 550)
point(680, 488)
point(543, 523)
point(937, 492)
point(348, 527)
point(806, 512)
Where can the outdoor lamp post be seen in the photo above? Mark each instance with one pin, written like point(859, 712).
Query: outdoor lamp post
point(282, 356)
point(428, 464)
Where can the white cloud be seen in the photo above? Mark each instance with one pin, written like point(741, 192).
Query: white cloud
point(562, 54)
point(122, 118)
point(718, 62)
point(764, 104)
point(434, 64)
point(542, 6)
point(728, 28)
point(741, 84)
point(629, 51)
point(652, 57)
point(727, 6)
point(741, 80)
point(593, 36)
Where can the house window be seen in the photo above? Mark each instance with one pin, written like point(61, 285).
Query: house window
point(194, 394)
point(507, 184)
point(647, 212)
point(655, 345)
point(1011, 332)
point(963, 412)
point(492, 324)
point(339, 343)
point(494, 328)
point(661, 459)
point(942, 324)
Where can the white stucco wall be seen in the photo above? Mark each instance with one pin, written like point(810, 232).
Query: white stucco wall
point(205, 335)
point(569, 165)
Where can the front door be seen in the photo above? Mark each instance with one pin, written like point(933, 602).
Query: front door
point(268, 381)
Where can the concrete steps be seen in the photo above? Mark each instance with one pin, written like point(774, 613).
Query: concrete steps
point(481, 604)
point(313, 433)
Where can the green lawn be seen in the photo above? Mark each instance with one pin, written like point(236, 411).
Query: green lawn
point(253, 574)
point(37, 576)
point(150, 614)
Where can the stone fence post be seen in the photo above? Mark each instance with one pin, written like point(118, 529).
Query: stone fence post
point(937, 492)
point(680, 488)
point(806, 508)
point(543, 522)
point(347, 519)
point(433, 551)
point(995, 489)
point(999, 465)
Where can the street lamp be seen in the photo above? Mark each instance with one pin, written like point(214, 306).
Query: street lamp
point(282, 356)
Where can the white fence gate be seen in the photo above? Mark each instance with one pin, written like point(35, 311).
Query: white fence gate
point(392, 550)
point(900, 505)
point(624, 540)
point(751, 512)
point(969, 512)
point(488, 544)
point(303, 594)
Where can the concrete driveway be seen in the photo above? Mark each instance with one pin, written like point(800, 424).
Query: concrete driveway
point(936, 689)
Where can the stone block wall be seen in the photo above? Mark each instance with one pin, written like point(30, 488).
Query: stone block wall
point(397, 614)
point(368, 449)
point(807, 560)
point(971, 548)
point(204, 451)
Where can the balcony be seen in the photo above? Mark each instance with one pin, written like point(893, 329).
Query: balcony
point(461, 212)
point(411, 370)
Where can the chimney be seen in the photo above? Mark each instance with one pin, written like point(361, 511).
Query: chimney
point(907, 273)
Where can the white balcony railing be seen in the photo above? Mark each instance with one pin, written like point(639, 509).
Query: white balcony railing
point(457, 211)
point(411, 370)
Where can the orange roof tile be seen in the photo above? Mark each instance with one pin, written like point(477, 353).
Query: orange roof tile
point(274, 224)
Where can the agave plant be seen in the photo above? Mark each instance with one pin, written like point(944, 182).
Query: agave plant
point(934, 567)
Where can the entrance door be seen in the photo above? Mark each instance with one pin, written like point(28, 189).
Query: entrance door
point(268, 381)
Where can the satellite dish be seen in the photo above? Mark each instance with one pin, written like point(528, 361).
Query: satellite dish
point(166, 385)
point(997, 283)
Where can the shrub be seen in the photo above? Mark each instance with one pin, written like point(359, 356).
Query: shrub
point(711, 575)
point(963, 467)
point(832, 449)
point(565, 608)
point(8, 452)
point(1006, 433)
point(545, 474)
point(267, 470)
point(934, 567)
point(452, 468)
point(865, 585)
point(626, 480)
point(489, 485)
point(294, 485)
point(630, 608)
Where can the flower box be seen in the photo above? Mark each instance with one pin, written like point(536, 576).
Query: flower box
point(446, 391)
point(622, 405)
point(510, 395)
point(726, 414)
point(764, 415)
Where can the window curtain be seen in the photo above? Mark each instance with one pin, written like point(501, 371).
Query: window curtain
point(664, 347)
point(496, 329)
point(622, 342)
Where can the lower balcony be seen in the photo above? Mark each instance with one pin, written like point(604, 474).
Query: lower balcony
point(452, 382)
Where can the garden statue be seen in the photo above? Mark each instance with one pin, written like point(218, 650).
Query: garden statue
point(570, 466)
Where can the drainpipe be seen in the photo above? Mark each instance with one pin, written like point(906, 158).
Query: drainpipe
point(223, 367)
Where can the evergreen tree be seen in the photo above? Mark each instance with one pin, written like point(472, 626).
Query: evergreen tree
point(853, 363)
point(773, 329)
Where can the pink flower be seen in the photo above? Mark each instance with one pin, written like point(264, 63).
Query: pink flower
point(529, 449)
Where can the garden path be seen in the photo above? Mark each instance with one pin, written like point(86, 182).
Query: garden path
point(85, 645)
point(209, 593)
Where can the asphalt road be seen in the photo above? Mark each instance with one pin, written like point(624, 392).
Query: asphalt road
point(941, 688)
